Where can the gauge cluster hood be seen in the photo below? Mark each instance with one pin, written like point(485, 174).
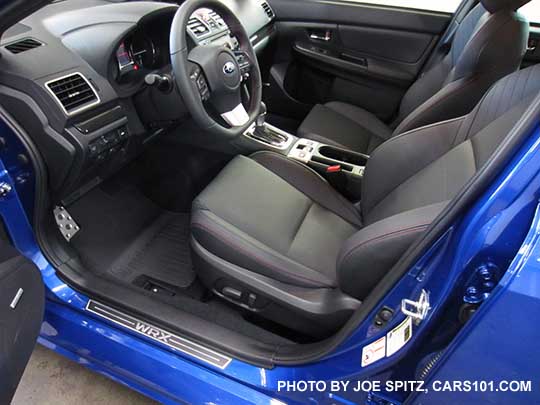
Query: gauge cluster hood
point(95, 35)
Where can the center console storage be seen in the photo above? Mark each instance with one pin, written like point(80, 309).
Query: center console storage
point(341, 155)
point(343, 168)
point(321, 157)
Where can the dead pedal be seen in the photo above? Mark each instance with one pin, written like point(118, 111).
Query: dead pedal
point(66, 224)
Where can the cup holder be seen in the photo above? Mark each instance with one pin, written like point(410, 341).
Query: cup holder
point(342, 155)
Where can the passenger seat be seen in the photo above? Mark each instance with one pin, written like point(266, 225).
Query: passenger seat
point(488, 45)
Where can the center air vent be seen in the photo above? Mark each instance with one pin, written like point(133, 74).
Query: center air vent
point(217, 18)
point(23, 45)
point(268, 10)
point(197, 27)
point(73, 92)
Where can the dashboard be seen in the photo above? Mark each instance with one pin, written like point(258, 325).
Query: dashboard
point(78, 86)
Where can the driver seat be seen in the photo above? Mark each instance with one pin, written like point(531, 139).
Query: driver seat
point(272, 236)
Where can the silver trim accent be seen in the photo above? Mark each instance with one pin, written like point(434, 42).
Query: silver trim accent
point(261, 44)
point(162, 336)
point(236, 117)
point(80, 109)
point(303, 150)
point(283, 146)
point(16, 299)
point(327, 36)
point(66, 224)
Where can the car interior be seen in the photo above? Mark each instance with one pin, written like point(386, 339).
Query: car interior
point(246, 173)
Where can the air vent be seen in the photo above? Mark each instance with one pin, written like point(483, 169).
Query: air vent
point(268, 10)
point(197, 27)
point(23, 45)
point(73, 92)
point(217, 18)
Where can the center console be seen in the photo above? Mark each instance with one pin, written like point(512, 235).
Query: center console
point(321, 157)
point(343, 168)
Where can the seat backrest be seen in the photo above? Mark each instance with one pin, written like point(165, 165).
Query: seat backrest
point(410, 178)
point(489, 44)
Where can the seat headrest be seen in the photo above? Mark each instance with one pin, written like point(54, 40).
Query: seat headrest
point(497, 5)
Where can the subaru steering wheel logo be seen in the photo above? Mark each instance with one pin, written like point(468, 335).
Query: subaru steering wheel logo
point(229, 68)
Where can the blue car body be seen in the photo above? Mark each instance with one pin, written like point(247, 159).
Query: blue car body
point(502, 227)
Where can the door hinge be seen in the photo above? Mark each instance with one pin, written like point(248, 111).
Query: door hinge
point(5, 189)
point(417, 310)
point(481, 284)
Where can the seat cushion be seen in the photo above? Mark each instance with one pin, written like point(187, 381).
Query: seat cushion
point(345, 126)
point(276, 217)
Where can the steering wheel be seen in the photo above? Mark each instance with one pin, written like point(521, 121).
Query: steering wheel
point(213, 74)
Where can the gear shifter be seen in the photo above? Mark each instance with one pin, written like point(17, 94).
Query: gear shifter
point(261, 119)
point(265, 134)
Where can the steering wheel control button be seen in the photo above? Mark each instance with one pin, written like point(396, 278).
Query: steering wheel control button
point(200, 81)
point(243, 62)
point(203, 88)
point(195, 74)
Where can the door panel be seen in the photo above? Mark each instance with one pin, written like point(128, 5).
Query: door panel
point(21, 314)
point(532, 57)
point(343, 51)
point(393, 45)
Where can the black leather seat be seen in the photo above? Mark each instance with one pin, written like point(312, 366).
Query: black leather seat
point(273, 236)
point(488, 44)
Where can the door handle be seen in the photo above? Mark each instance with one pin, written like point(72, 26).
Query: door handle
point(532, 45)
point(326, 36)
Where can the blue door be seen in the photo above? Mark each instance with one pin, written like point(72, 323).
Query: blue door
point(21, 286)
point(22, 298)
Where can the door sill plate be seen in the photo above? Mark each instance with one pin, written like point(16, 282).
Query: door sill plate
point(174, 342)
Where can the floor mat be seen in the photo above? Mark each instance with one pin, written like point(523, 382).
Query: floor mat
point(125, 235)
point(161, 251)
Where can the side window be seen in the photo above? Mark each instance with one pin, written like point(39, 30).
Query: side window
point(532, 11)
point(446, 6)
